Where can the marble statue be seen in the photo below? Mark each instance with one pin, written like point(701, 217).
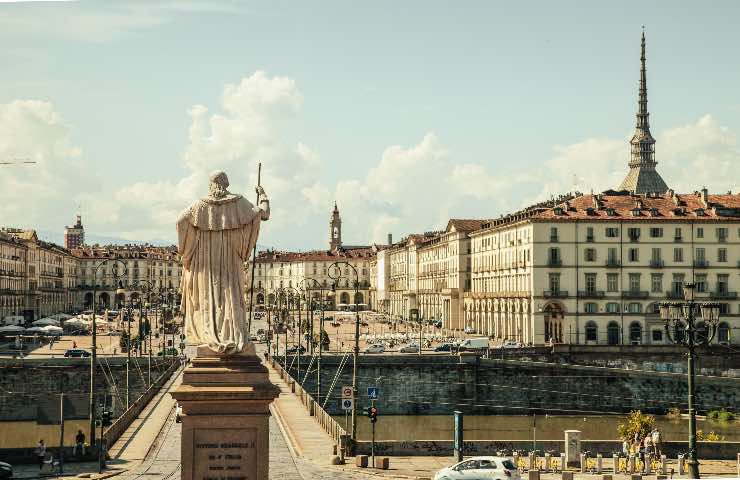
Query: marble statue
point(216, 236)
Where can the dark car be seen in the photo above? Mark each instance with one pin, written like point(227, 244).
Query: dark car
point(6, 470)
point(294, 349)
point(446, 347)
point(76, 353)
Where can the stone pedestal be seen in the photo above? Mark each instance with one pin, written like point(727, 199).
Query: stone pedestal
point(572, 448)
point(225, 411)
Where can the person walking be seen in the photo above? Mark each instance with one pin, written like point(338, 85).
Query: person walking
point(79, 443)
point(647, 451)
point(41, 453)
point(626, 448)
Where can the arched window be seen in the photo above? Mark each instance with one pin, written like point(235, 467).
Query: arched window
point(723, 333)
point(635, 333)
point(359, 298)
point(612, 333)
point(344, 298)
point(592, 332)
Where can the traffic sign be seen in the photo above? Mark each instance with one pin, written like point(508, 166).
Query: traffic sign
point(347, 391)
point(373, 393)
point(347, 403)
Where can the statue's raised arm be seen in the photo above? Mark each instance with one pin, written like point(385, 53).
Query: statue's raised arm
point(216, 235)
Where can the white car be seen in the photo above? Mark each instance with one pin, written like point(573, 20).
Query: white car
point(410, 348)
point(375, 348)
point(480, 468)
point(510, 344)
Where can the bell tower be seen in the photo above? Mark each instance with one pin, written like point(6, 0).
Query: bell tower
point(335, 229)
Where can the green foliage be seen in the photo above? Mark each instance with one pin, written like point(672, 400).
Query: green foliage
point(636, 422)
point(721, 415)
point(674, 412)
point(709, 437)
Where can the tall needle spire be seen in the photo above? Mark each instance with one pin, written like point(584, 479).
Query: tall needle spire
point(642, 177)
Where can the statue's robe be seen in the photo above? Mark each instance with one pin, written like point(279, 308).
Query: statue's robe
point(215, 237)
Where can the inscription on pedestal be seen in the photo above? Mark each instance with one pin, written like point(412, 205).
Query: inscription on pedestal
point(224, 454)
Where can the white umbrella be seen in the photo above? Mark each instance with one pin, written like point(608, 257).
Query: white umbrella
point(11, 329)
point(13, 320)
point(52, 330)
point(61, 316)
point(46, 321)
point(35, 330)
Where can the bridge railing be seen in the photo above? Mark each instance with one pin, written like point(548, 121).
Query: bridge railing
point(330, 426)
point(116, 429)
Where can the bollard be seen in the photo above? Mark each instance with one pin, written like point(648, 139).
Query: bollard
point(566, 475)
point(599, 463)
point(383, 463)
point(664, 465)
point(533, 475)
point(606, 477)
point(532, 462)
point(547, 462)
point(615, 463)
point(635, 476)
point(361, 461)
point(681, 465)
point(630, 465)
point(582, 459)
point(562, 462)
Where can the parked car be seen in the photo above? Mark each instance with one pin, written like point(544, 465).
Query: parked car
point(375, 348)
point(475, 343)
point(410, 348)
point(6, 470)
point(510, 344)
point(170, 352)
point(114, 333)
point(76, 353)
point(295, 348)
point(494, 468)
point(446, 347)
point(469, 330)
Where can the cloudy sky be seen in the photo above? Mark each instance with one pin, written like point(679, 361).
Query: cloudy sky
point(405, 113)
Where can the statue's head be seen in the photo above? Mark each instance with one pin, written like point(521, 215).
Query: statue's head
point(219, 182)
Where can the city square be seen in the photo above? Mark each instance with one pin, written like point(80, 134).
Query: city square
point(256, 240)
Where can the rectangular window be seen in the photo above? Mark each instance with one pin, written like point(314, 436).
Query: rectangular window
point(589, 234)
point(591, 307)
point(700, 232)
point(657, 335)
point(722, 255)
point(656, 232)
point(634, 282)
point(677, 284)
point(554, 282)
point(721, 233)
point(590, 282)
point(656, 283)
point(612, 307)
point(633, 234)
point(634, 255)
point(554, 255)
point(612, 282)
point(678, 254)
point(612, 232)
point(701, 255)
point(722, 284)
point(656, 257)
point(589, 254)
point(553, 234)
point(678, 234)
point(701, 283)
point(611, 256)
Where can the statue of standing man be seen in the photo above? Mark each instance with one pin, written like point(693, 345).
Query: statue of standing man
point(216, 236)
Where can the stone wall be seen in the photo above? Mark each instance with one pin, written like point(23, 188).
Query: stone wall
point(29, 389)
point(441, 384)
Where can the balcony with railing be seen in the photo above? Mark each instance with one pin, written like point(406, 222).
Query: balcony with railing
point(724, 294)
point(673, 294)
point(657, 263)
point(591, 293)
point(635, 294)
point(555, 262)
point(612, 263)
point(701, 264)
point(555, 294)
point(553, 239)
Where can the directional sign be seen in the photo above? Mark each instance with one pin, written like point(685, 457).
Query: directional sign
point(347, 403)
point(347, 391)
point(373, 393)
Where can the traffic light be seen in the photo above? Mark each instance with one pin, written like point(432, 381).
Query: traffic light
point(372, 414)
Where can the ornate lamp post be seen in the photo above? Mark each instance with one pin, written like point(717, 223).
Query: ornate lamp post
point(317, 285)
point(690, 335)
point(335, 273)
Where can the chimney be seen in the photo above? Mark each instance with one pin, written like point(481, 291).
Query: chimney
point(390, 239)
point(705, 197)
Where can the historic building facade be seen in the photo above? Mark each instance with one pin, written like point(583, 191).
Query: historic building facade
point(13, 271)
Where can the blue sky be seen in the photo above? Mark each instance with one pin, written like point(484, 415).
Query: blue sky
point(406, 113)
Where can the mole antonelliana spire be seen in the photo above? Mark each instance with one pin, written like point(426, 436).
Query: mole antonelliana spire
point(642, 177)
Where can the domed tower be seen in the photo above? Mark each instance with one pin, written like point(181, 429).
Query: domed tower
point(335, 230)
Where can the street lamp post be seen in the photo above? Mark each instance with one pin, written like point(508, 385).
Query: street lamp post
point(333, 269)
point(320, 287)
point(94, 354)
point(691, 335)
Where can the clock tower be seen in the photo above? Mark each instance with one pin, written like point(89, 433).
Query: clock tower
point(335, 230)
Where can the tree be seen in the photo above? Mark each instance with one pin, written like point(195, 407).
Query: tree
point(636, 423)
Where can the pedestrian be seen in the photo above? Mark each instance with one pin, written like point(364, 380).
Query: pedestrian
point(656, 442)
point(647, 449)
point(79, 443)
point(74, 344)
point(626, 448)
point(40, 453)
